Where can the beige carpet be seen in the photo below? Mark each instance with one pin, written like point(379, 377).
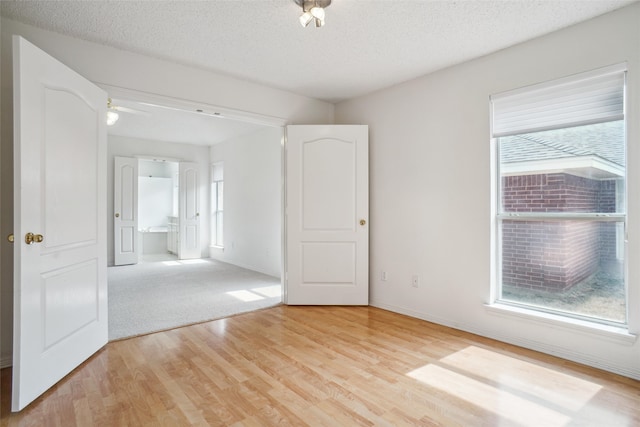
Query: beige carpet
point(154, 296)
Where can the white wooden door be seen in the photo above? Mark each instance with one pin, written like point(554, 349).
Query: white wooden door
point(189, 211)
point(125, 211)
point(327, 214)
point(60, 279)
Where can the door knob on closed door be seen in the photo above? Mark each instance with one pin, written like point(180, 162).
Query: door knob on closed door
point(117, 215)
point(10, 238)
point(31, 238)
point(363, 222)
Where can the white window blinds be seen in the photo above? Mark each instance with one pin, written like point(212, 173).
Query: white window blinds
point(587, 98)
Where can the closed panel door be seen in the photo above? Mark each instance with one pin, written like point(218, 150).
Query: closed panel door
point(60, 316)
point(189, 211)
point(327, 214)
point(125, 211)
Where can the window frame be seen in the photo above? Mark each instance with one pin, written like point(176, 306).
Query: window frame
point(499, 216)
point(216, 212)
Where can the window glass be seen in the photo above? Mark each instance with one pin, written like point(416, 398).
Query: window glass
point(217, 204)
point(561, 210)
point(571, 266)
point(576, 170)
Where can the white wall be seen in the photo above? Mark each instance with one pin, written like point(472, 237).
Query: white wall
point(157, 168)
point(118, 68)
point(155, 201)
point(131, 147)
point(431, 186)
point(252, 201)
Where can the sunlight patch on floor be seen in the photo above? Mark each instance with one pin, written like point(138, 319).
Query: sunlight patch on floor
point(256, 294)
point(269, 291)
point(245, 296)
point(517, 390)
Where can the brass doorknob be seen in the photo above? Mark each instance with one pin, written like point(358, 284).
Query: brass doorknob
point(31, 238)
point(10, 238)
point(363, 222)
point(117, 215)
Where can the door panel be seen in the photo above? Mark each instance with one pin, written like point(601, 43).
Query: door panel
point(329, 184)
point(338, 265)
point(125, 207)
point(60, 278)
point(65, 212)
point(60, 287)
point(189, 211)
point(327, 197)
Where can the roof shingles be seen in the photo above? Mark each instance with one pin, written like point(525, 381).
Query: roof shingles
point(604, 140)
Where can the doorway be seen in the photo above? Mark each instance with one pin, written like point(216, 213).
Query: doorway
point(156, 206)
point(240, 271)
point(158, 196)
point(79, 308)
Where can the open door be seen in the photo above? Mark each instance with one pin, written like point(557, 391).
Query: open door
point(125, 211)
point(327, 213)
point(60, 267)
point(189, 211)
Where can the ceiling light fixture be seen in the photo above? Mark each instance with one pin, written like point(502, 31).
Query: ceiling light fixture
point(312, 10)
point(112, 115)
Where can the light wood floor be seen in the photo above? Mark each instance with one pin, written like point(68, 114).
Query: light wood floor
point(327, 366)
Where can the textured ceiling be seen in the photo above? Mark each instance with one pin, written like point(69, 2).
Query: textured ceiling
point(364, 46)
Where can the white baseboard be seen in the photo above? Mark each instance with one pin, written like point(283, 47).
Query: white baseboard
point(561, 352)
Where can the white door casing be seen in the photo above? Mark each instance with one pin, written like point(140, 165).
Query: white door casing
point(125, 211)
point(189, 211)
point(327, 214)
point(60, 284)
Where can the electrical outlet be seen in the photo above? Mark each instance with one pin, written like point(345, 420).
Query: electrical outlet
point(383, 276)
point(415, 281)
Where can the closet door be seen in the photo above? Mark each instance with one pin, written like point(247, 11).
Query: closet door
point(327, 213)
point(189, 211)
point(125, 211)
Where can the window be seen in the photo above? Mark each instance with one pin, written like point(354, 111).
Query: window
point(561, 214)
point(217, 206)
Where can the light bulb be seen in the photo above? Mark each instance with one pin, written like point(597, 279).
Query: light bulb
point(112, 118)
point(305, 18)
point(317, 12)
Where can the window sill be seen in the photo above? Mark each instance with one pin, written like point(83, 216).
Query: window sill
point(612, 333)
point(216, 249)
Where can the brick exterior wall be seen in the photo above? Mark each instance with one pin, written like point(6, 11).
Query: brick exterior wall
point(555, 255)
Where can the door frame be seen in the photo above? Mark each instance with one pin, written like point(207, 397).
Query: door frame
point(229, 113)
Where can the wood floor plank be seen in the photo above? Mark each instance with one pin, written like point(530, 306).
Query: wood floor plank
point(326, 366)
